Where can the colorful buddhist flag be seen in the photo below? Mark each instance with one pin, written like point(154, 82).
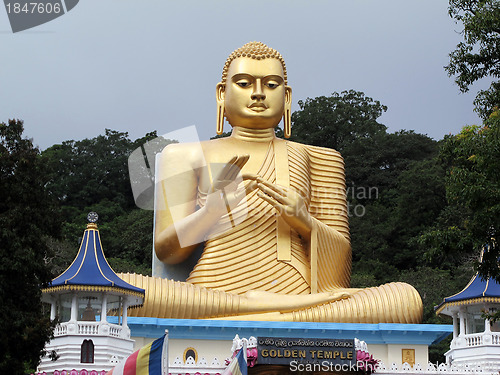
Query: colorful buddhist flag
point(149, 360)
point(238, 365)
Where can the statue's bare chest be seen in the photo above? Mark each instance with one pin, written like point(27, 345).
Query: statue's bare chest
point(217, 157)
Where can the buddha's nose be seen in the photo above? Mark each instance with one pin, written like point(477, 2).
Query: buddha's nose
point(257, 92)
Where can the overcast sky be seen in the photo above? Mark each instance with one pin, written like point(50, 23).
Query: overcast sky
point(138, 66)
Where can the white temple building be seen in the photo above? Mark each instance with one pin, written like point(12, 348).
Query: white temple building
point(81, 298)
point(476, 341)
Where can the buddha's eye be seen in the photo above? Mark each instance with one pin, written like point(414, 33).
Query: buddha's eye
point(272, 85)
point(243, 83)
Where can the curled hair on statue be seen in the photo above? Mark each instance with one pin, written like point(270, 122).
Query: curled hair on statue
point(254, 50)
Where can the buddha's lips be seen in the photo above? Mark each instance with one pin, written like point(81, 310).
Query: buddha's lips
point(258, 105)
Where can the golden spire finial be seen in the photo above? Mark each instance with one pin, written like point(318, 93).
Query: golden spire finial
point(92, 217)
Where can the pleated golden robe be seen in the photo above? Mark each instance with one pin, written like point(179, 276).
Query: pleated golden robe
point(262, 252)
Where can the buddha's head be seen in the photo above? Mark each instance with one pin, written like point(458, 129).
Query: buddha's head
point(253, 92)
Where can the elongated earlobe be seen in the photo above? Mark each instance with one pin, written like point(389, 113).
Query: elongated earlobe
point(220, 108)
point(287, 123)
point(287, 115)
point(220, 119)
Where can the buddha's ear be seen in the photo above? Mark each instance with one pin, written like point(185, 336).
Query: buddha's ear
point(220, 92)
point(288, 96)
point(287, 114)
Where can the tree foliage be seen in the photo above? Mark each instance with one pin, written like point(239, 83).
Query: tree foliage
point(336, 121)
point(27, 215)
point(93, 175)
point(478, 56)
point(88, 171)
point(132, 234)
point(472, 218)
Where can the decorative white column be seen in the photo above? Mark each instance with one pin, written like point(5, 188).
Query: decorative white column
point(487, 324)
point(125, 307)
point(53, 305)
point(455, 326)
point(461, 315)
point(120, 310)
point(487, 337)
point(104, 308)
point(74, 308)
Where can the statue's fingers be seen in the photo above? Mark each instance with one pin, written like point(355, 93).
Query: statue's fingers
point(227, 168)
point(278, 196)
point(277, 206)
point(272, 194)
point(270, 200)
point(251, 176)
point(238, 166)
point(242, 160)
point(231, 162)
point(228, 171)
point(235, 168)
point(233, 173)
point(273, 187)
point(250, 187)
point(340, 295)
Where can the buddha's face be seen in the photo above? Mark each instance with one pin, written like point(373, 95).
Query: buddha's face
point(255, 93)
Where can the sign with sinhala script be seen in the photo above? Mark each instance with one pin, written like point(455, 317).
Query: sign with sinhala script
point(284, 351)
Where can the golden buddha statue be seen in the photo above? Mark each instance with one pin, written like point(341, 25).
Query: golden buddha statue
point(271, 213)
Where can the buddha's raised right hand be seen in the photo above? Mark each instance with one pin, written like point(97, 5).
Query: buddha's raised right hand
point(226, 191)
point(190, 226)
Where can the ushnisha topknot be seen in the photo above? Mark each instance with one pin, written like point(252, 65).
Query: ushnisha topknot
point(254, 50)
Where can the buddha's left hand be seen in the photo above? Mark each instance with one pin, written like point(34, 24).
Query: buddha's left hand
point(289, 204)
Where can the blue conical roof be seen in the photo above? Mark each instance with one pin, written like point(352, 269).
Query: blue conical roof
point(478, 290)
point(90, 270)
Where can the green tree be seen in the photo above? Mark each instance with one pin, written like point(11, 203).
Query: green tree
point(377, 161)
point(478, 56)
point(93, 175)
point(85, 172)
point(27, 215)
point(336, 121)
point(132, 236)
point(410, 198)
point(420, 198)
point(471, 220)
